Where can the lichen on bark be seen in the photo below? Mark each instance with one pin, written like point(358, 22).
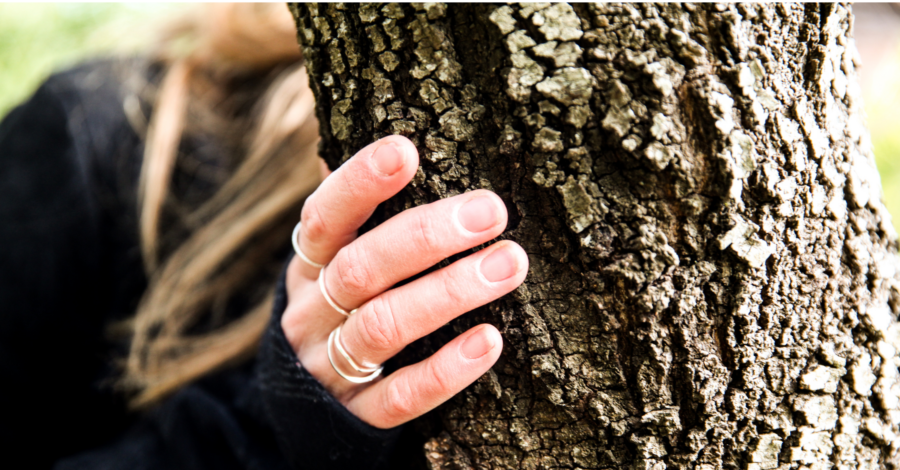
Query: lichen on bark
point(714, 279)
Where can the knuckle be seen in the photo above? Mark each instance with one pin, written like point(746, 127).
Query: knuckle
point(314, 226)
point(453, 287)
point(426, 232)
point(438, 381)
point(399, 402)
point(351, 270)
point(379, 326)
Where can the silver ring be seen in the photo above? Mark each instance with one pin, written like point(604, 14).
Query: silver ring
point(334, 305)
point(295, 240)
point(356, 380)
point(340, 347)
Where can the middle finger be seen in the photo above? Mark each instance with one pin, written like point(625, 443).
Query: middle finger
point(389, 322)
point(411, 242)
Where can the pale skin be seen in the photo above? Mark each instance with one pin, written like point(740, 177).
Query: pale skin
point(362, 270)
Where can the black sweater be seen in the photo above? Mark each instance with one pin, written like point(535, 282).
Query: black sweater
point(70, 264)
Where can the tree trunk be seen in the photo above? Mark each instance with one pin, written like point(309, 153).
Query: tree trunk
point(714, 280)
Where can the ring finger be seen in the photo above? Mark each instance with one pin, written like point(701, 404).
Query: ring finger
point(332, 215)
point(391, 321)
point(410, 243)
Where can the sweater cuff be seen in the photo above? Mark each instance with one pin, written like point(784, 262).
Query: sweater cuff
point(314, 430)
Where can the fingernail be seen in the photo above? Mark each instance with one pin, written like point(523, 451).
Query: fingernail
point(499, 265)
point(477, 344)
point(388, 158)
point(478, 215)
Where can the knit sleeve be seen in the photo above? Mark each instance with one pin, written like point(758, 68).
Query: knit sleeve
point(53, 290)
point(314, 430)
point(272, 414)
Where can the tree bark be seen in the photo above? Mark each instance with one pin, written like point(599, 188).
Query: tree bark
point(714, 279)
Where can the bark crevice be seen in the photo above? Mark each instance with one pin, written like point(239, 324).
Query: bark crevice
point(714, 280)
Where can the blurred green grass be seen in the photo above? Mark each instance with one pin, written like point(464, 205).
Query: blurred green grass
point(38, 39)
point(882, 100)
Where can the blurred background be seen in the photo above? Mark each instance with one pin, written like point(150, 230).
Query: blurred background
point(37, 39)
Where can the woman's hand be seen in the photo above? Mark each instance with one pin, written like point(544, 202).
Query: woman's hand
point(361, 271)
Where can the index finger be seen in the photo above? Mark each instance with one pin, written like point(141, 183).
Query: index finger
point(332, 215)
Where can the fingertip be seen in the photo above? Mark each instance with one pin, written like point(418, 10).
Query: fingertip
point(502, 213)
point(484, 341)
point(388, 158)
point(496, 339)
point(404, 146)
point(522, 257)
point(506, 261)
point(501, 206)
point(480, 212)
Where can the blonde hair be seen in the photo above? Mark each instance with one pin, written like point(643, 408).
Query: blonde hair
point(232, 237)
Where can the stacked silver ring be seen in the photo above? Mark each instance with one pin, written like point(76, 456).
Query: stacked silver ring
point(334, 339)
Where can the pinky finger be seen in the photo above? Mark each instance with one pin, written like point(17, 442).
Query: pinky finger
point(417, 389)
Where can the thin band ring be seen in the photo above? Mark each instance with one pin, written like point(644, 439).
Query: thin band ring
point(295, 240)
point(356, 380)
point(334, 305)
point(343, 352)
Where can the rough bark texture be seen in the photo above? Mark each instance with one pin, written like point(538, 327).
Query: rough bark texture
point(714, 280)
